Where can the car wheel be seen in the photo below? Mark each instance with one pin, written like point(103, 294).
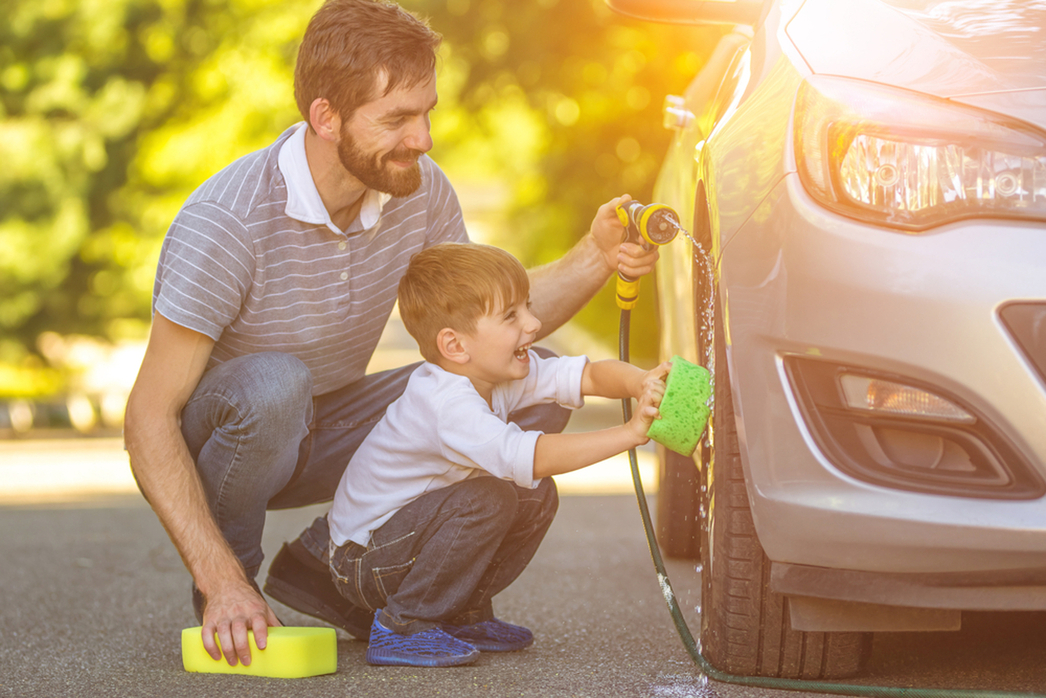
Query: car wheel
point(678, 505)
point(745, 628)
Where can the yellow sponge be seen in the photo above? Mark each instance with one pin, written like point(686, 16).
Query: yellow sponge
point(290, 653)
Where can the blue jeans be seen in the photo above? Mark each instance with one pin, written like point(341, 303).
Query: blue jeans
point(443, 557)
point(261, 441)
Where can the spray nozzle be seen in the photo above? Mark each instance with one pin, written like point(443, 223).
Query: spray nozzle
point(649, 225)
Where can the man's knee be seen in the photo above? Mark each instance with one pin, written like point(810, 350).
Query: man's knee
point(264, 398)
point(273, 384)
point(265, 389)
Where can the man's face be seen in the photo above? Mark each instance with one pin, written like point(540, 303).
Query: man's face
point(381, 142)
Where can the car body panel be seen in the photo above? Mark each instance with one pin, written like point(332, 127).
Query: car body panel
point(797, 280)
point(797, 286)
point(917, 56)
point(1026, 105)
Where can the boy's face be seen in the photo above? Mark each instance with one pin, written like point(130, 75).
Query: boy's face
point(498, 347)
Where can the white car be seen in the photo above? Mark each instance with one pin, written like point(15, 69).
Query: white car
point(870, 178)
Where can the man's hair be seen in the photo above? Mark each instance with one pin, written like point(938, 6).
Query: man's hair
point(454, 284)
point(350, 44)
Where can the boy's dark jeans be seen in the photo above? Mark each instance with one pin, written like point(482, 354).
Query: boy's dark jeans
point(444, 556)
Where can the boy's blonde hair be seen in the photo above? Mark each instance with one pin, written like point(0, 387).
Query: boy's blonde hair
point(454, 284)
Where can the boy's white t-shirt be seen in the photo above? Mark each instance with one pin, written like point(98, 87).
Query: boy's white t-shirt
point(441, 431)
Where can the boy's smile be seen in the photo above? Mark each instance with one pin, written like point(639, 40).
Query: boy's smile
point(499, 347)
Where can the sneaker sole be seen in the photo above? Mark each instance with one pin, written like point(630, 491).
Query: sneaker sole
point(311, 606)
point(402, 660)
point(496, 646)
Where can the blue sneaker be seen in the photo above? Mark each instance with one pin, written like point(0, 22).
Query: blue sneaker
point(431, 647)
point(492, 635)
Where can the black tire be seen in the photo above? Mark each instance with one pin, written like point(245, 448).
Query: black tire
point(745, 628)
point(678, 506)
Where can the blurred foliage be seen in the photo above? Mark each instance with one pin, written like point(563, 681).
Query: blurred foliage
point(113, 111)
point(562, 100)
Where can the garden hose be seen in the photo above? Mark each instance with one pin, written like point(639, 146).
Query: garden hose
point(706, 669)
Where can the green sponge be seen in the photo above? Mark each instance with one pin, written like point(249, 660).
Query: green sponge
point(684, 408)
point(290, 653)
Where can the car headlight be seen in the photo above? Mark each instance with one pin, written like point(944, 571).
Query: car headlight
point(910, 161)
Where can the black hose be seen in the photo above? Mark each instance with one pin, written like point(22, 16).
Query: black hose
point(839, 689)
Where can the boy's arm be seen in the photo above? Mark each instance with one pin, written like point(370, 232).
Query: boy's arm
point(617, 379)
point(555, 454)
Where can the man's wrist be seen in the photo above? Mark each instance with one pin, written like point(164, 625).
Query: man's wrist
point(601, 259)
point(221, 571)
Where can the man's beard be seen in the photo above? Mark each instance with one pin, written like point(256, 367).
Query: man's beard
point(374, 171)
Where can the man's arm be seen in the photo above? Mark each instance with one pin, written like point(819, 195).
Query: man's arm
point(561, 288)
point(174, 362)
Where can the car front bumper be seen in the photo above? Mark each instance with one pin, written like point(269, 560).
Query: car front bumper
point(798, 283)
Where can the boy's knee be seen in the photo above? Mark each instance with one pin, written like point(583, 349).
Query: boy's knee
point(500, 492)
point(490, 498)
point(547, 497)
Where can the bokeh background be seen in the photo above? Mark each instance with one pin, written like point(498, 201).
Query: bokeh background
point(113, 111)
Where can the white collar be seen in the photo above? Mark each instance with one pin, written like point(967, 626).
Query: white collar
point(303, 199)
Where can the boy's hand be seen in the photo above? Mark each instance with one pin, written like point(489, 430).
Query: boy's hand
point(655, 377)
point(629, 258)
point(651, 390)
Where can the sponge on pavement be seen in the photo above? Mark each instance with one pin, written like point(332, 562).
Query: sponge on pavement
point(684, 408)
point(290, 653)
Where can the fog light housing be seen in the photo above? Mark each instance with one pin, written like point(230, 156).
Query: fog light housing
point(896, 399)
point(895, 432)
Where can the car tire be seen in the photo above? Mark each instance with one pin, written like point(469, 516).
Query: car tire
point(745, 627)
point(678, 505)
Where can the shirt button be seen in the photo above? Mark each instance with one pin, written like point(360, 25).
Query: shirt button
point(342, 245)
point(344, 275)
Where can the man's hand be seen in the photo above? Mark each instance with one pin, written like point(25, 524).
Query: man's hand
point(229, 612)
point(627, 257)
point(649, 393)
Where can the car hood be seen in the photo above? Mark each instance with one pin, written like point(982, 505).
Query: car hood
point(947, 48)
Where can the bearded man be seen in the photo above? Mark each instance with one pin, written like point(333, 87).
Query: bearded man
point(274, 283)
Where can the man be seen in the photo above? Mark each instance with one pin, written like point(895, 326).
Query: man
point(274, 283)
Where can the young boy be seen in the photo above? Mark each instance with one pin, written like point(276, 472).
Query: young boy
point(445, 503)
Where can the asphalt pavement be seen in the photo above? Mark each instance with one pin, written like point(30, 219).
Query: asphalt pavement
point(95, 598)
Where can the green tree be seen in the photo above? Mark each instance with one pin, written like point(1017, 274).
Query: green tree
point(112, 111)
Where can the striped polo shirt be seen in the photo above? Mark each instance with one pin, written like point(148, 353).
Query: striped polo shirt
point(253, 261)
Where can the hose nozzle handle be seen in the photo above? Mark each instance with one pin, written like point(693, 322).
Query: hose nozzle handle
point(650, 225)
